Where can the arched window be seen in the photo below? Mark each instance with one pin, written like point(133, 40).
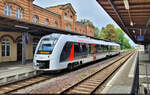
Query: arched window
point(46, 22)
point(35, 19)
point(55, 24)
point(69, 27)
point(75, 29)
point(66, 27)
point(80, 31)
point(7, 10)
point(18, 13)
point(5, 48)
point(65, 14)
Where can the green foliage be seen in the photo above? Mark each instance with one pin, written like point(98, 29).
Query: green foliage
point(96, 32)
point(120, 37)
point(124, 42)
point(109, 33)
point(113, 34)
point(83, 75)
point(87, 21)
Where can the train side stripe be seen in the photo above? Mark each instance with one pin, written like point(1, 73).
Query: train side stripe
point(71, 57)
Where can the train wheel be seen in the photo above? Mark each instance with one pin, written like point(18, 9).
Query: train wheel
point(80, 62)
point(70, 66)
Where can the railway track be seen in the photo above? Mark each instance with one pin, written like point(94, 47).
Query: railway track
point(22, 84)
point(5, 89)
point(90, 84)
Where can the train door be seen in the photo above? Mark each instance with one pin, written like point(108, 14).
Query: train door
point(94, 51)
point(19, 50)
point(34, 44)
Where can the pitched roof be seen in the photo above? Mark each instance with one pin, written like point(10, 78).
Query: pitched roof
point(63, 6)
point(81, 23)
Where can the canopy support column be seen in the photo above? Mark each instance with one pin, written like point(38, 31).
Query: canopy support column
point(149, 51)
point(23, 47)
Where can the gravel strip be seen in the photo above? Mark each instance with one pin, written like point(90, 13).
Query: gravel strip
point(57, 84)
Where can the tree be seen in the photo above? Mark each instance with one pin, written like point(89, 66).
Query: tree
point(87, 21)
point(120, 37)
point(126, 43)
point(96, 32)
point(109, 33)
point(115, 34)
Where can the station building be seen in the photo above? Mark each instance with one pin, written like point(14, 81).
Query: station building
point(60, 17)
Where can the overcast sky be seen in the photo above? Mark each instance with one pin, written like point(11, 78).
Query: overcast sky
point(85, 9)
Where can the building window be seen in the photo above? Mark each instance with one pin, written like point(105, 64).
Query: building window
point(5, 48)
point(69, 27)
point(35, 19)
point(75, 29)
point(46, 22)
point(7, 10)
point(18, 14)
point(66, 27)
point(65, 14)
point(55, 24)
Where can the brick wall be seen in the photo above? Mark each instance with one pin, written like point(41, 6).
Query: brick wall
point(64, 17)
point(44, 14)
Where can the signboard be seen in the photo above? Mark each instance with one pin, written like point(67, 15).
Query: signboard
point(140, 38)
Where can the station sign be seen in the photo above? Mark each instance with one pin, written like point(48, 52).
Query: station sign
point(140, 38)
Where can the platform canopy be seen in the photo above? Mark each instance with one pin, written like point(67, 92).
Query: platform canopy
point(9, 24)
point(133, 16)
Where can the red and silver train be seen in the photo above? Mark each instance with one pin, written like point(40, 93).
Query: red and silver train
point(60, 51)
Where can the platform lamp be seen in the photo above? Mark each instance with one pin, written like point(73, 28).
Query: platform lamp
point(126, 4)
point(133, 31)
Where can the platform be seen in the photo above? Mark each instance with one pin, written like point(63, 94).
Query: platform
point(121, 83)
point(11, 72)
point(144, 72)
point(123, 79)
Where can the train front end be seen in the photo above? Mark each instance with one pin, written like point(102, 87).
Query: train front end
point(43, 53)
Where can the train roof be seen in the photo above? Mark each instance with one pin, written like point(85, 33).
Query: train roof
point(84, 39)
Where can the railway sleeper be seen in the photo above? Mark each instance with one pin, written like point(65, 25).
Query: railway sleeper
point(77, 91)
point(87, 86)
point(90, 84)
point(93, 82)
point(81, 89)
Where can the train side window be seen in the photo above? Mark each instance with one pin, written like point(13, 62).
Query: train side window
point(91, 50)
point(84, 50)
point(66, 52)
point(99, 49)
point(103, 48)
point(111, 48)
point(84, 47)
point(77, 49)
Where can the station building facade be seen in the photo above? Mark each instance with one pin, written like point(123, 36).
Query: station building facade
point(61, 17)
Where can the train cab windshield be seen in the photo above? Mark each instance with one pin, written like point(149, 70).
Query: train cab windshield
point(47, 45)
